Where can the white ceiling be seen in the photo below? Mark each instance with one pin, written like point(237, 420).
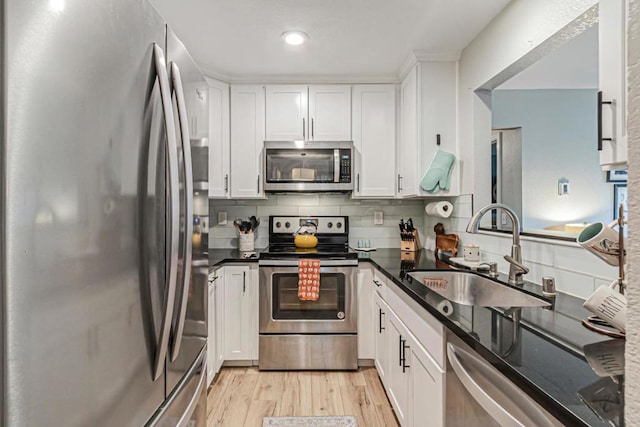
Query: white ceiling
point(348, 39)
point(574, 65)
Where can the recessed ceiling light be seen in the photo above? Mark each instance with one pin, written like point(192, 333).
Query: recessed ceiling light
point(294, 38)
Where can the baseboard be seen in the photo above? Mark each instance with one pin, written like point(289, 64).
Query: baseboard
point(366, 363)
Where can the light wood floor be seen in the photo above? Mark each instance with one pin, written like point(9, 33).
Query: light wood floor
point(243, 396)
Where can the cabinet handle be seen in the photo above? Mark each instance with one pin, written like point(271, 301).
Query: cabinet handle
point(244, 281)
point(258, 184)
point(600, 103)
point(380, 314)
point(378, 284)
point(226, 183)
point(404, 356)
point(304, 134)
point(400, 350)
point(357, 183)
point(399, 183)
point(312, 132)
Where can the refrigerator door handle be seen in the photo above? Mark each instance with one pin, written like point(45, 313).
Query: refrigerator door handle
point(167, 110)
point(193, 403)
point(176, 81)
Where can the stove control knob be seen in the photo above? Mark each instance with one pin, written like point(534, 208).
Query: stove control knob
point(278, 224)
point(287, 224)
point(329, 224)
point(339, 225)
point(341, 315)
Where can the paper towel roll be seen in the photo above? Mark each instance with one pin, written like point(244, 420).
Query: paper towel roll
point(439, 209)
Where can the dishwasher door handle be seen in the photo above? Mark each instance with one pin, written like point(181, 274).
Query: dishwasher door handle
point(502, 399)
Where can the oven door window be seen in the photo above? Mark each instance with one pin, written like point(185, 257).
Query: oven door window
point(290, 166)
point(287, 305)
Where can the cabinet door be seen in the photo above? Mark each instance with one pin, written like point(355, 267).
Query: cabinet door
point(219, 320)
point(397, 375)
point(218, 139)
point(211, 334)
point(407, 177)
point(374, 136)
point(437, 116)
point(247, 139)
point(286, 113)
point(237, 315)
point(330, 112)
point(426, 390)
point(613, 82)
point(365, 314)
point(380, 312)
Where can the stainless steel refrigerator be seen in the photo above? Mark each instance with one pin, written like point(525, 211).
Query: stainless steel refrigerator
point(103, 298)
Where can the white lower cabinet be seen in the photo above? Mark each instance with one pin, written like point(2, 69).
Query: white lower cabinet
point(365, 313)
point(215, 324)
point(381, 311)
point(240, 313)
point(410, 373)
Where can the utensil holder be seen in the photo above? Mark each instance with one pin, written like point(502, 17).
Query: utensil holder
point(246, 242)
point(412, 244)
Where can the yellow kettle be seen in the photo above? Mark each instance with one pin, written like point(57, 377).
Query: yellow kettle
point(305, 238)
point(305, 241)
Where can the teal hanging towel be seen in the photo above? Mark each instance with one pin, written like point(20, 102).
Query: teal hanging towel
point(438, 176)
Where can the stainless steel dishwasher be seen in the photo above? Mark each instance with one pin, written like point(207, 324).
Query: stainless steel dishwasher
point(478, 394)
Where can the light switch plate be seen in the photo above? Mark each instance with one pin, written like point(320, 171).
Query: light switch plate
point(378, 218)
point(222, 218)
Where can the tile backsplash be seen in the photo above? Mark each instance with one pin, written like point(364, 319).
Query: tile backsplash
point(575, 270)
point(360, 214)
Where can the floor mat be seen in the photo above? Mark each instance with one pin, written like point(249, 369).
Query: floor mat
point(347, 421)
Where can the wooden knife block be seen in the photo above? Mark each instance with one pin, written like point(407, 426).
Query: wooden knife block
point(410, 245)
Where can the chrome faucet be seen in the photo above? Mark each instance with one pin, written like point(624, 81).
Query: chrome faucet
point(516, 269)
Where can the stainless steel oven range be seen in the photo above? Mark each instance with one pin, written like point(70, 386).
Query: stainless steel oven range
point(297, 334)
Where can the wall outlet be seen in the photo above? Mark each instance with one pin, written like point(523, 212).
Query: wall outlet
point(378, 218)
point(222, 218)
point(503, 219)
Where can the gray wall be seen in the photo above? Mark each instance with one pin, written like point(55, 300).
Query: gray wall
point(558, 140)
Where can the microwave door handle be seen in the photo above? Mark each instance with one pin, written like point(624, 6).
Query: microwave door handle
point(336, 165)
point(188, 209)
point(172, 155)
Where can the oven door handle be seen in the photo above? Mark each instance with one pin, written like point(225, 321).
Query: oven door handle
point(323, 263)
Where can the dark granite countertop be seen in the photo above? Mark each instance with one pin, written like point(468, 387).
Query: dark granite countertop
point(545, 358)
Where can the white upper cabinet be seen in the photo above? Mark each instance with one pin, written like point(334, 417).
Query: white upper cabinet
point(301, 112)
point(374, 136)
point(613, 84)
point(247, 139)
point(329, 112)
point(218, 139)
point(407, 178)
point(286, 112)
point(428, 109)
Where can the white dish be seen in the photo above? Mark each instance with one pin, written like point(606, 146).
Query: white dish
point(474, 265)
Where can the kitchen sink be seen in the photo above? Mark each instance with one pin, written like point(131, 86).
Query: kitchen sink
point(471, 289)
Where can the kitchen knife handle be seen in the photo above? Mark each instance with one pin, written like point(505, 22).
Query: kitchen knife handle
point(176, 81)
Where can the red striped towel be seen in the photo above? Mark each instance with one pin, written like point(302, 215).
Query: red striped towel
point(308, 279)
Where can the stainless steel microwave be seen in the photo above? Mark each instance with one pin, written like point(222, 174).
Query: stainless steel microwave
point(308, 166)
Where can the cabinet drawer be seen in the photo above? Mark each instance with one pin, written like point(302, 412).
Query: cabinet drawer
point(379, 283)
